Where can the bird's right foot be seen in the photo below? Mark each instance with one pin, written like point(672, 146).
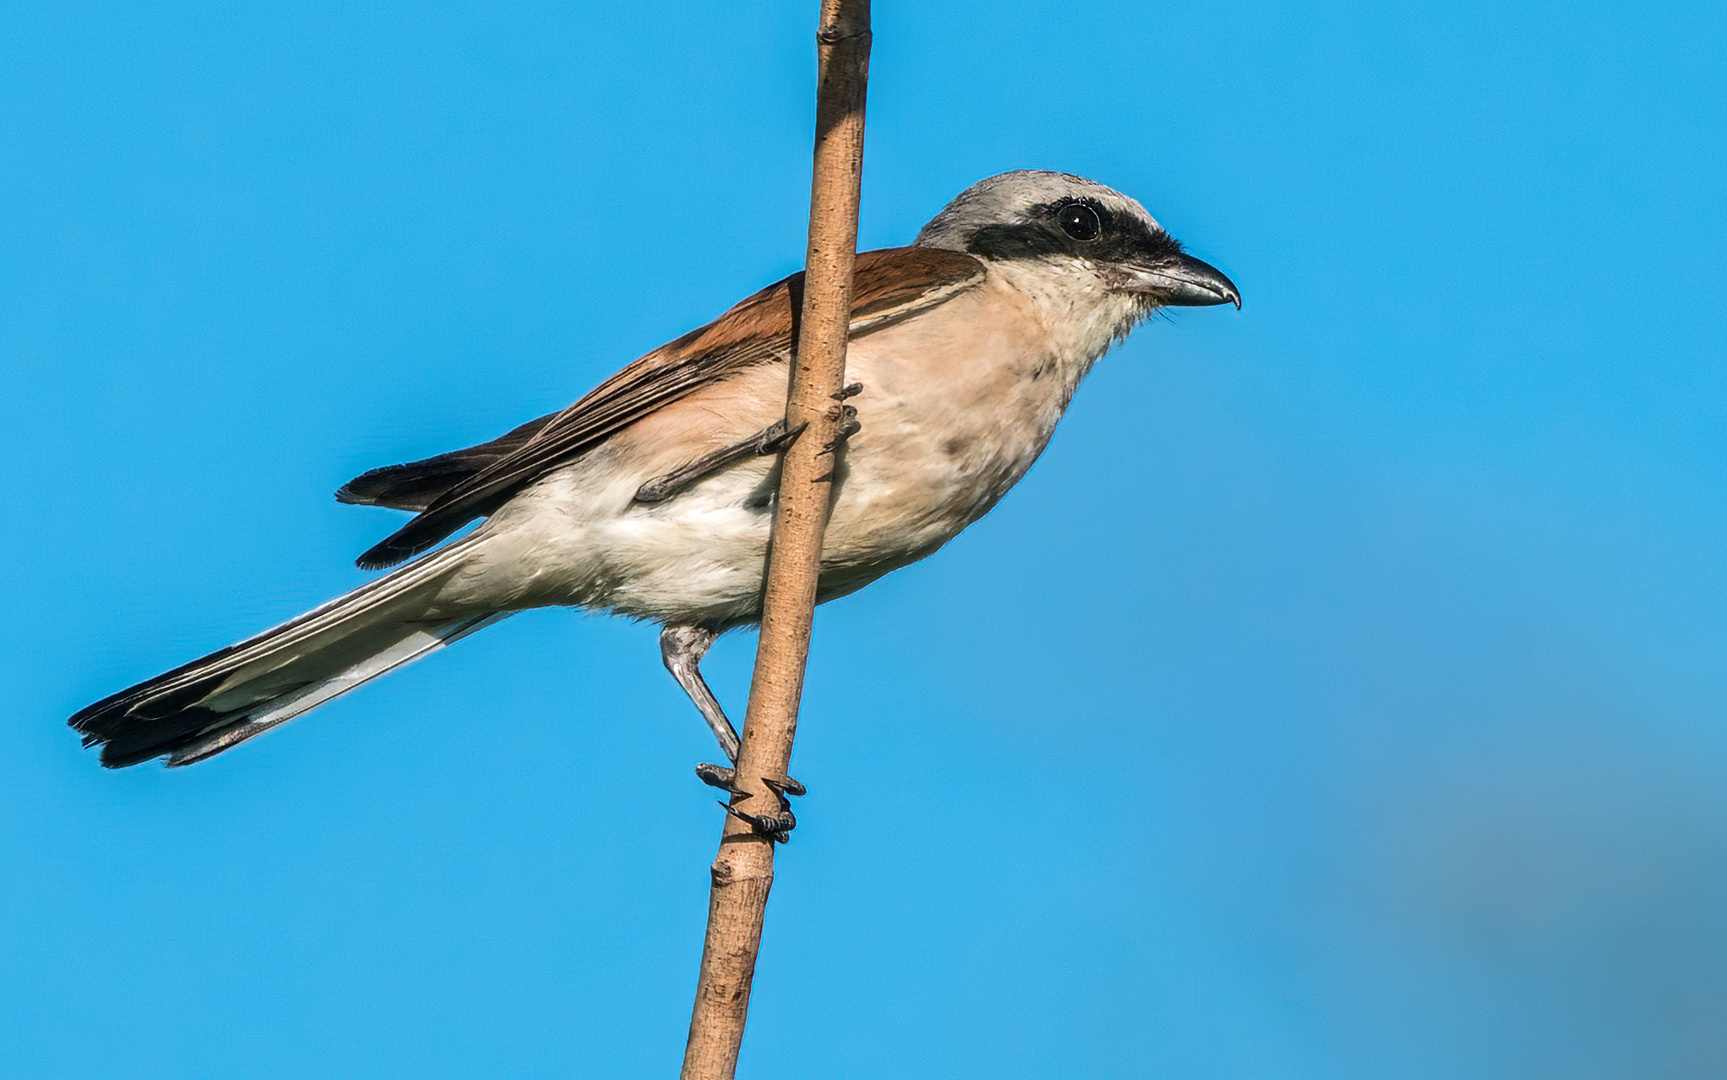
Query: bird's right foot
point(775, 826)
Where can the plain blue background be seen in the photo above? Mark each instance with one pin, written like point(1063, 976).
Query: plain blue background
point(1341, 696)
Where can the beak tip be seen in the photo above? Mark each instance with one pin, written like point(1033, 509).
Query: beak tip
point(1226, 290)
point(1185, 281)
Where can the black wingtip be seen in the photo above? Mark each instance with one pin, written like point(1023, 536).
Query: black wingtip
point(363, 490)
point(424, 533)
point(375, 487)
point(381, 557)
point(404, 543)
point(418, 484)
point(409, 540)
point(400, 487)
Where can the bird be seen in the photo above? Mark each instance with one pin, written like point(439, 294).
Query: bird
point(652, 496)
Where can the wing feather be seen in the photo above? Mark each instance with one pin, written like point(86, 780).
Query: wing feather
point(453, 489)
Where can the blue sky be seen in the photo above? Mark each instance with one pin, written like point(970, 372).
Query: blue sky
point(1341, 695)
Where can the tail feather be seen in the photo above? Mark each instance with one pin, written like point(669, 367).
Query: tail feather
point(285, 708)
point(209, 705)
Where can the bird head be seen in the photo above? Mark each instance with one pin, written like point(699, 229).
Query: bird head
point(1073, 224)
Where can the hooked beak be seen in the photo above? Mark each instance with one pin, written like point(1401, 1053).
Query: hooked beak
point(1179, 281)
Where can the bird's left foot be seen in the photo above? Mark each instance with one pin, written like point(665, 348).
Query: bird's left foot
point(848, 425)
point(776, 826)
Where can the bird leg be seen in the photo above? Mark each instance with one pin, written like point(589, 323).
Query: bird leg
point(682, 648)
point(771, 440)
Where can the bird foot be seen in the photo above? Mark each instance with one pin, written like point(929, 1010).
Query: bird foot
point(776, 826)
point(847, 424)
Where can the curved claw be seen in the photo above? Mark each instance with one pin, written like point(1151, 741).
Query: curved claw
point(785, 787)
point(725, 778)
point(775, 827)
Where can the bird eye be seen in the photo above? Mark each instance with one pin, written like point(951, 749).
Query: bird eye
point(1079, 221)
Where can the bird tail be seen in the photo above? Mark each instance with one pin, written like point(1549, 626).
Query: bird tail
point(209, 705)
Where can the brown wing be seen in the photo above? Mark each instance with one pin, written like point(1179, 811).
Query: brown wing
point(453, 489)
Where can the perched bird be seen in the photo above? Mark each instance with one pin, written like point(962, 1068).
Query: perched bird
point(652, 496)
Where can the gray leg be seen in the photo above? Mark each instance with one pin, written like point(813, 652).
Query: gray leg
point(682, 648)
point(771, 440)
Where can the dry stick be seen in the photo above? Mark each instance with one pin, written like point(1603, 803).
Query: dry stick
point(744, 869)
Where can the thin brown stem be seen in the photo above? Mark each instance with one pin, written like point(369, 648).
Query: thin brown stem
point(743, 872)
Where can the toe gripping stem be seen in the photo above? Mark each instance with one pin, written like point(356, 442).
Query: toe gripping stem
point(776, 827)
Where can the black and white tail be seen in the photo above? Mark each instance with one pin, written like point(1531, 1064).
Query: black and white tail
point(209, 705)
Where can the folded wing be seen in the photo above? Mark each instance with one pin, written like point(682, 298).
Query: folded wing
point(453, 489)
